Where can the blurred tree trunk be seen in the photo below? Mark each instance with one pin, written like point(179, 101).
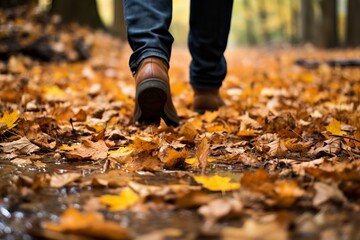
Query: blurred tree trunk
point(307, 21)
point(295, 19)
point(249, 24)
point(329, 25)
point(119, 27)
point(352, 24)
point(83, 12)
point(263, 19)
point(15, 3)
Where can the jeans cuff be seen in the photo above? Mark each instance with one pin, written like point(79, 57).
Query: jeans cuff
point(150, 52)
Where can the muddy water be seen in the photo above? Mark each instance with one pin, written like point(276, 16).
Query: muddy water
point(22, 211)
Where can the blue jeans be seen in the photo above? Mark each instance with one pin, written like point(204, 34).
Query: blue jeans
point(148, 23)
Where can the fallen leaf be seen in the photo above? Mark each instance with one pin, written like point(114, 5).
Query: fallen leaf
point(21, 146)
point(326, 193)
point(217, 183)
point(202, 154)
point(174, 158)
point(170, 191)
point(8, 121)
point(162, 234)
point(21, 161)
point(61, 180)
point(125, 199)
point(145, 143)
point(335, 128)
point(252, 230)
point(89, 150)
point(219, 208)
point(91, 224)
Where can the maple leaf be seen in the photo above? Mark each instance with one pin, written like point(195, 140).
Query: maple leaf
point(8, 121)
point(335, 128)
point(90, 224)
point(89, 150)
point(125, 199)
point(217, 183)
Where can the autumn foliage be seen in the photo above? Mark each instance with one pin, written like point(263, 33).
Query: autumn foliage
point(283, 152)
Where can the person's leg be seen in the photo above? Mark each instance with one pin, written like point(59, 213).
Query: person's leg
point(209, 29)
point(148, 24)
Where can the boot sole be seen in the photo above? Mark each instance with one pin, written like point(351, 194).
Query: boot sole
point(153, 99)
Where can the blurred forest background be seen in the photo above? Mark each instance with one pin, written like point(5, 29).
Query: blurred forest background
point(323, 23)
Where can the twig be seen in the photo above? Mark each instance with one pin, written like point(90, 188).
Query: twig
point(335, 135)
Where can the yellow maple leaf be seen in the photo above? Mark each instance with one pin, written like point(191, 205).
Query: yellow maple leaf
point(335, 128)
point(8, 119)
point(54, 91)
point(217, 183)
point(125, 199)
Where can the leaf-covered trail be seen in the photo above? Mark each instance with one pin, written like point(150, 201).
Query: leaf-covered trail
point(280, 161)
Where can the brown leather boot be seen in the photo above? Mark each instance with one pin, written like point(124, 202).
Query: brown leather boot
point(153, 96)
point(207, 100)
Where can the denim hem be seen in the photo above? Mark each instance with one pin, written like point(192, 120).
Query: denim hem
point(206, 85)
point(150, 52)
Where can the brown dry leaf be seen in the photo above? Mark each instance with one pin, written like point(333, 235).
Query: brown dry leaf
point(170, 191)
point(174, 158)
point(21, 161)
point(144, 162)
point(61, 180)
point(326, 193)
point(89, 150)
point(194, 199)
point(252, 230)
point(277, 148)
point(287, 192)
point(295, 146)
point(145, 143)
point(249, 122)
point(209, 117)
point(219, 208)
point(188, 130)
point(202, 154)
point(90, 224)
point(21, 146)
point(162, 234)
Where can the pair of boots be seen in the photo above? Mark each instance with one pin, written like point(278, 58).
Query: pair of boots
point(153, 96)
